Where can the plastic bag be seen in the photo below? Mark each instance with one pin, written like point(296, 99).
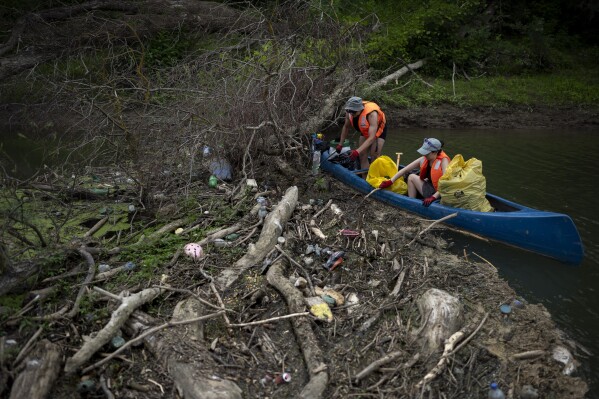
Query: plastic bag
point(383, 168)
point(464, 186)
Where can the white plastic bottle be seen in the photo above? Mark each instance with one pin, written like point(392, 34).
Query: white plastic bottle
point(315, 162)
point(495, 392)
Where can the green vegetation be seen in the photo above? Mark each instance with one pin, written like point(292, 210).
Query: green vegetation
point(563, 88)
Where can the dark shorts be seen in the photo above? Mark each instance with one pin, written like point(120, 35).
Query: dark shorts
point(428, 189)
point(384, 134)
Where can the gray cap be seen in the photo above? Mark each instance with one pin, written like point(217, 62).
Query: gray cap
point(354, 104)
point(430, 145)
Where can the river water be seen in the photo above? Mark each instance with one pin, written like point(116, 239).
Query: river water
point(542, 169)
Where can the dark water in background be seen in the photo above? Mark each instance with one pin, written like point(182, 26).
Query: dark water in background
point(548, 170)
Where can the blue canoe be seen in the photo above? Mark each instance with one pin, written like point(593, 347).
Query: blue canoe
point(546, 233)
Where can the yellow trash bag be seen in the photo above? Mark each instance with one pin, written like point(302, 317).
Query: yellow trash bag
point(464, 186)
point(383, 168)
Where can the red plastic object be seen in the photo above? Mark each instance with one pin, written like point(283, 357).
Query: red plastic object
point(349, 233)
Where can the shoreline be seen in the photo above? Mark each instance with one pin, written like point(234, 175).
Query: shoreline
point(510, 117)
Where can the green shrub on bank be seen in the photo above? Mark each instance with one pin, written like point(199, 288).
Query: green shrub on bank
point(566, 88)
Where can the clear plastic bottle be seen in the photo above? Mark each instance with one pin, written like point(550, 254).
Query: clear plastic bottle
point(495, 392)
point(315, 162)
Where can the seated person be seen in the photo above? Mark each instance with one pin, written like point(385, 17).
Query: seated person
point(432, 164)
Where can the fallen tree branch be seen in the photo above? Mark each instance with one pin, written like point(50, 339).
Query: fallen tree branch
point(305, 338)
point(274, 223)
point(150, 332)
point(377, 364)
point(419, 235)
point(397, 74)
point(118, 318)
point(438, 369)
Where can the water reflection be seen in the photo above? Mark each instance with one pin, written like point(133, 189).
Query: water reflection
point(543, 169)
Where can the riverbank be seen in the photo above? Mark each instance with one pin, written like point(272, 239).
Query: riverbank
point(374, 344)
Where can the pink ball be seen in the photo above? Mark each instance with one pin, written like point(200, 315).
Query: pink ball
point(194, 250)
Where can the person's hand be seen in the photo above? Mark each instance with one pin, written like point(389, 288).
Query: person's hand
point(428, 201)
point(338, 148)
point(354, 155)
point(385, 184)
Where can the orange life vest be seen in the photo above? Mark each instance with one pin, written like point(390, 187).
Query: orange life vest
point(362, 119)
point(436, 169)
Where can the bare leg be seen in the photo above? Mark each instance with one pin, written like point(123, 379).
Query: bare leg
point(414, 186)
point(364, 164)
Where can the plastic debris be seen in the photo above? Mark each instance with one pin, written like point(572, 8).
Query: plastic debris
point(329, 300)
point(308, 261)
point(87, 385)
point(518, 304)
point(33, 363)
point(130, 266)
point(117, 341)
point(528, 392)
point(334, 260)
point(262, 212)
point(219, 242)
point(282, 378)
point(300, 283)
point(349, 233)
point(10, 342)
point(564, 356)
point(309, 249)
point(505, 310)
point(336, 296)
point(179, 231)
point(232, 237)
point(193, 250)
point(281, 240)
point(206, 151)
point(322, 311)
point(221, 168)
point(352, 300)
point(336, 210)
point(262, 200)
point(103, 267)
point(212, 181)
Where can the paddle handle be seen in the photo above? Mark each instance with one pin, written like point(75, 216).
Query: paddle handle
point(399, 154)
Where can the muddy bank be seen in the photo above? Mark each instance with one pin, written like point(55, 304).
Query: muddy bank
point(513, 117)
point(370, 340)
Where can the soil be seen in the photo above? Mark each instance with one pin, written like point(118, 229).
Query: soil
point(379, 324)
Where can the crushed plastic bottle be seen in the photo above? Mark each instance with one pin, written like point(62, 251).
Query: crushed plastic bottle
point(315, 162)
point(335, 259)
point(262, 212)
point(129, 266)
point(117, 341)
point(495, 392)
point(103, 268)
point(212, 181)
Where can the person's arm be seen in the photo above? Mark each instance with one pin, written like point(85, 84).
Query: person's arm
point(413, 165)
point(373, 120)
point(344, 130)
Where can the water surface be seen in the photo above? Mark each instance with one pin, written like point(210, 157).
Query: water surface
point(547, 170)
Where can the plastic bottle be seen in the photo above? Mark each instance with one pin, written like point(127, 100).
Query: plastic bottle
point(315, 162)
point(495, 392)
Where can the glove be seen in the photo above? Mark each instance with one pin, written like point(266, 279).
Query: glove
point(338, 148)
point(385, 184)
point(354, 155)
point(429, 200)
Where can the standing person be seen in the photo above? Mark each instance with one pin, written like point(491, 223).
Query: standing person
point(369, 120)
point(433, 164)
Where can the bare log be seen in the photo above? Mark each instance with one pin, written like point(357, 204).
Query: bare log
point(305, 336)
point(119, 317)
point(273, 228)
point(41, 370)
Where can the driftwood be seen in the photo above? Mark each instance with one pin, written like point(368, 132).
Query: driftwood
point(304, 335)
point(274, 223)
point(191, 379)
point(42, 367)
point(119, 317)
point(442, 316)
point(377, 364)
point(397, 74)
point(449, 345)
